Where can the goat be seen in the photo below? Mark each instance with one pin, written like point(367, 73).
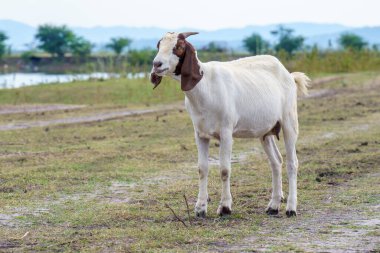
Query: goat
point(252, 97)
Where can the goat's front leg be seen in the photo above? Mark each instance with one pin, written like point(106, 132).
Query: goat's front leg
point(225, 151)
point(203, 147)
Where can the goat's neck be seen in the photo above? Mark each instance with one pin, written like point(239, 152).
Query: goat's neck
point(199, 93)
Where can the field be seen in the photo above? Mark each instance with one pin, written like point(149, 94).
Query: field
point(111, 184)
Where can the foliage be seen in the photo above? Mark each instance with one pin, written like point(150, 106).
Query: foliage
point(81, 47)
point(214, 47)
point(351, 41)
point(55, 40)
point(26, 56)
point(334, 61)
point(118, 91)
point(119, 44)
point(141, 57)
point(287, 41)
point(255, 44)
point(3, 47)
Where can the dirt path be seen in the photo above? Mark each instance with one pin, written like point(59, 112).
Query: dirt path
point(12, 109)
point(89, 118)
point(327, 79)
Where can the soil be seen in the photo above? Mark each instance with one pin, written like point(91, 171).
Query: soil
point(86, 119)
point(12, 109)
point(349, 229)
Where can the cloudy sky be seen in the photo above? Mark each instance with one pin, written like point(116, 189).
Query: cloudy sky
point(202, 14)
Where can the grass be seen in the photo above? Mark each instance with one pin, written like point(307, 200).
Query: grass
point(103, 186)
point(95, 92)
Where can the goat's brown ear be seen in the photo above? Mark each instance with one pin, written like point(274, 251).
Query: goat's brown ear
point(155, 79)
point(190, 70)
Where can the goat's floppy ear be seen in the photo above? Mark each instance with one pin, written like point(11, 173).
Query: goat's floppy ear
point(190, 70)
point(155, 79)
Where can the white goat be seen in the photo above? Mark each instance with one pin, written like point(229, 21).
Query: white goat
point(250, 97)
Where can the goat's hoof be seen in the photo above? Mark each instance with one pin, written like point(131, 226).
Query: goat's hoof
point(291, 213)
point(224, 211)
point(271, 211)
point(200, 214)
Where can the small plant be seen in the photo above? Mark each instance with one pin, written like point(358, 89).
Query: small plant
point(55, 40)
point(351, 41)
point(3, 47)
point(117, 45)
point(287, 41)
point(255, 44)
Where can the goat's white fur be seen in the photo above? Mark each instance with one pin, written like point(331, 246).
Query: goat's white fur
point(242, 98)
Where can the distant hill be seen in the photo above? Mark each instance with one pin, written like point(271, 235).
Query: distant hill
point(21, 34)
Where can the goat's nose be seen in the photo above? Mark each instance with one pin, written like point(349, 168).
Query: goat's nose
point(157, 64)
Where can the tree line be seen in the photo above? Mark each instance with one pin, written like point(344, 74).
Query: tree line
point(59, 41)
point(289, 43)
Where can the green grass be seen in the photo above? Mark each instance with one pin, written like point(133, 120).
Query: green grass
point(103, 186)
point(95, 92)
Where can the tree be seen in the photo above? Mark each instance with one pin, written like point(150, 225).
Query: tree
point(255, 44)
point(214, 47)
point(141, 57)
point(3, 47)
point(55, 40)
point(80, 47)
point(352, 41)
point(118, 44)
point(286, 40)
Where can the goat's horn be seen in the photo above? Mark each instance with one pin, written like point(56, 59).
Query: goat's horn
point(187, 34)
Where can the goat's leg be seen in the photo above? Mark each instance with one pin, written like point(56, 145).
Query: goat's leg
point(225, 151)
point(275, 162)
point(203, 147)
point(290, 128)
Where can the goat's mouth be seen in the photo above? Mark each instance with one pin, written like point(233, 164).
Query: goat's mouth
point(160, 71)
point(155, 79)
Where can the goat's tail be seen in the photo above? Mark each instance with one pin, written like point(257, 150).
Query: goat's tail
point(302, 81)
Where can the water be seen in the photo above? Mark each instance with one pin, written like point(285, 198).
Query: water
point(16, 80)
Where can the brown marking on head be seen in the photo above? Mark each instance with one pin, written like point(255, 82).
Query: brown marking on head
point(188, 66)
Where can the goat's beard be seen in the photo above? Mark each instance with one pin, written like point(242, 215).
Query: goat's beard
point(155, 79)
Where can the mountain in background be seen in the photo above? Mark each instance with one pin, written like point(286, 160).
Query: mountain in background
point(21, 36)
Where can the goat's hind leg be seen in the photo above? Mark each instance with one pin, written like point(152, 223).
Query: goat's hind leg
point(290, 128)
point(203, 148)
point(275, 162)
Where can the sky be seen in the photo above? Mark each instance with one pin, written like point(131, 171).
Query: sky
point(202, 14)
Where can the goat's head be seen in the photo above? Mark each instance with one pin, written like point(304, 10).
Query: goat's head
point(176, 56)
